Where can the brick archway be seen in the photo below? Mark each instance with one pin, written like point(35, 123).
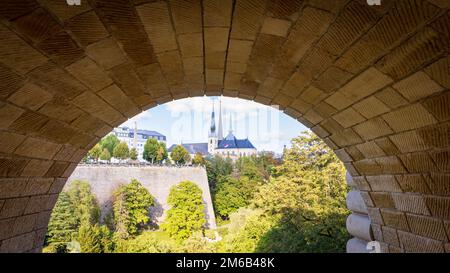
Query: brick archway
point(372, 81)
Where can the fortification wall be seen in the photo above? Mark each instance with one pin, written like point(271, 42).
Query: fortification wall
point(157, 180)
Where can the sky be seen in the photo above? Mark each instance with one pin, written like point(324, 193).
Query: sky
point(189, 120)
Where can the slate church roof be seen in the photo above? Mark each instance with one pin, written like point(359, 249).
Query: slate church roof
point(231, 142)
point(193, 148)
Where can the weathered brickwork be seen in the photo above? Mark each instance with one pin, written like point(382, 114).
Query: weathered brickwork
point(372, 81)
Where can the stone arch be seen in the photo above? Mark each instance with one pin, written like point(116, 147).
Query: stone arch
point(371, 81)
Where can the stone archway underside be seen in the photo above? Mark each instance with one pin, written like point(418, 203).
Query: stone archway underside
point(372, 81)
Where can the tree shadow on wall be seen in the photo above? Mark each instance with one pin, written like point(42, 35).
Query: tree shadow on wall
point(155, 212)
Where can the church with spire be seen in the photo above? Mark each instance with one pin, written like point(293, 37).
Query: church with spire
point(228, 146)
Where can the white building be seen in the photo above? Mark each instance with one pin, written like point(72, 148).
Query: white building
point(136, 138)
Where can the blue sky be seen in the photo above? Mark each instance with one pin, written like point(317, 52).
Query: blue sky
point(188, 120)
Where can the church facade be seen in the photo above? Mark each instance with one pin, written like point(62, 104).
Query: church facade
point(228, 146)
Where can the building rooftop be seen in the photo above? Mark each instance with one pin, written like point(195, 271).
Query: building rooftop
point(193, 148)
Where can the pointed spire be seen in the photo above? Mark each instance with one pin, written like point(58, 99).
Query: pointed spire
point(220, 131)
point(212, 132)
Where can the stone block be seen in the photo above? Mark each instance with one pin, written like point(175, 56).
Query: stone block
point(187, 16)
point(94, 105)
point(21, 243)
point(26, 25)
point(274, 26)
point(370, 149)
point(12, 187)
point(8, 114)
point(17, 54)
point(9, 142)
point(37, 186)
point(371, 107)
point(373, 128)
point(34, 147)
point(395, 219)
point(61, 48)
point(383, 183)
point(87, 28)
point(427, 227)
point(415, 243)
point(191, 45)
point(30, 96)
point(86, 71)
point(382, 199)
point(391, 98)
point(106, 52)
point(439, 206)
point(157, 23)
point(24, 224)
point(417, 86)
point(116, 98)
point(390, 236)
point(13, 207)
point(412, 183)
point(217, 13)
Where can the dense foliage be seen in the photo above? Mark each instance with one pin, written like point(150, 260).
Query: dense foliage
point(121, 151)
point(154, 151)
point(105, 155)
point(198, 159)
point(180, 155)
point(109, 142)
point(187, 212)
point(74, 219)
point(133, 154)
point(131, 208)
point(263, 204)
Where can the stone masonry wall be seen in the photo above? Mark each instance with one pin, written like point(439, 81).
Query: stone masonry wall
point(157, 180)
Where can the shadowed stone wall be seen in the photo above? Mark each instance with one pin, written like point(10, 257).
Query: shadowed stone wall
point(157, 180)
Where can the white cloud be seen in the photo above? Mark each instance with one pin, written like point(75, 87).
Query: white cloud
point(204, 105)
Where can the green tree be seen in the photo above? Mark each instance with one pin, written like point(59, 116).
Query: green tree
point(308, 191)
point(94, 239)
point(105, 155)
point(131, 208)
point(109, 142)
point(228, 196)
point(180, 155)
point(121, 151)
point(86, 209)
point(95, 152)
point(154, 151)
point(246, 229)
point(149, 242)
point(216, 167)
point(198, 159)
point(63, 223)
point(133, 154)
point(187, 212)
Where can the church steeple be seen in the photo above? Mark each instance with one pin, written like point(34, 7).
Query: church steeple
point(220, 131)
point(212, 139)
point(212, 131)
